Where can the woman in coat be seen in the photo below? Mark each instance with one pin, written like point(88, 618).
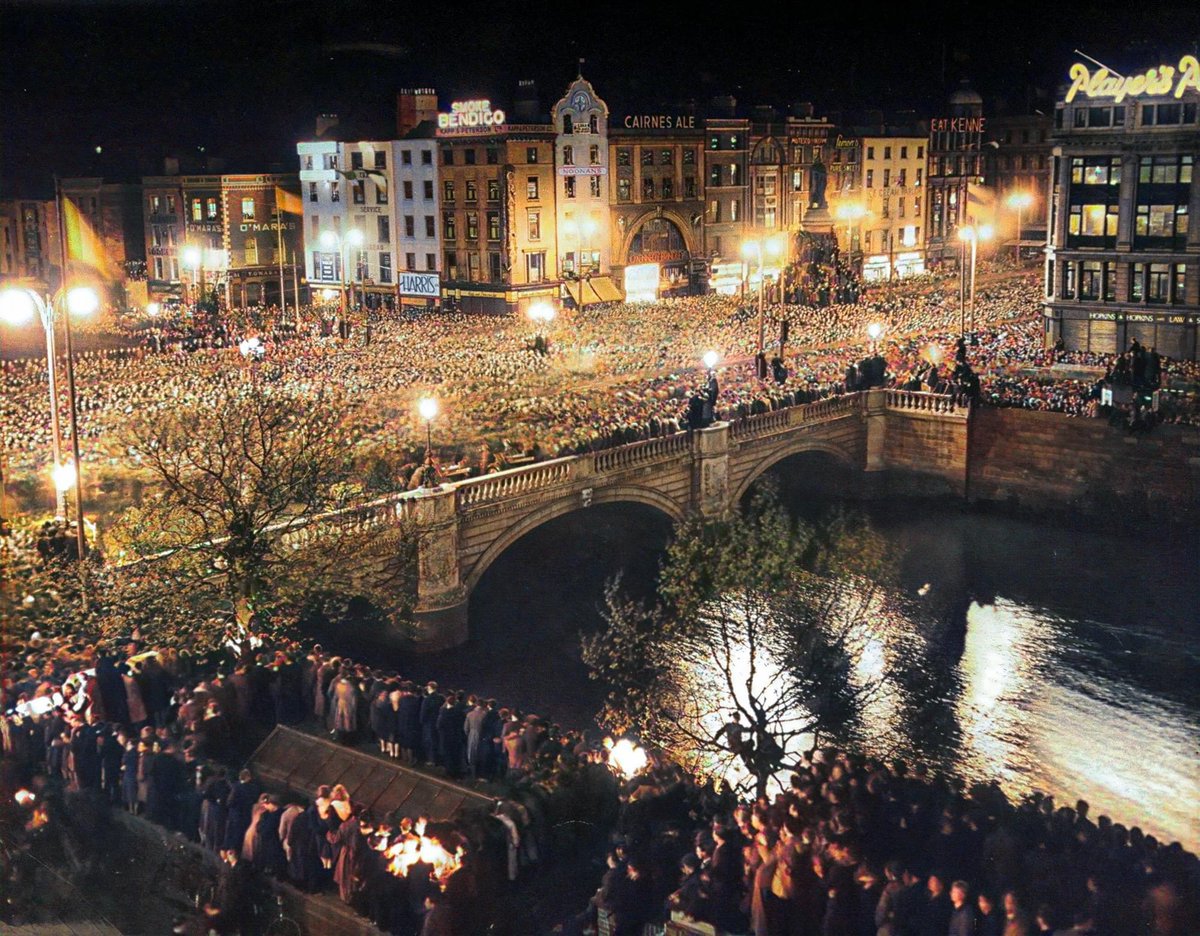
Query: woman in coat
point(344, 707)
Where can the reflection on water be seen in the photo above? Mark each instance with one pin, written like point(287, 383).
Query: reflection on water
point(1043, 658)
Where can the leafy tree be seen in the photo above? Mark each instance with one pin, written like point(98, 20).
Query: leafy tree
point(754, 650)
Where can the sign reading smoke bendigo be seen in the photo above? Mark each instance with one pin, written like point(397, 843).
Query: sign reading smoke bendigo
point(420, 284)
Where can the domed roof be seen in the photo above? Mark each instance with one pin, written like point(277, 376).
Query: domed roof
point(965, 94)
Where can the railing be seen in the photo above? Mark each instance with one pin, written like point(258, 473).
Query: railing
point(361, 518)
point(640, 453)
point(764, 424)
point(913, 401)
point(515, 481)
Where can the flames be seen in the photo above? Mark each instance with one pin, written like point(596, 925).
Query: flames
point(412, 849)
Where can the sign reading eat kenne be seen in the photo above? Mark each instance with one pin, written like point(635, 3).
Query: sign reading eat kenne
point(1159, 81)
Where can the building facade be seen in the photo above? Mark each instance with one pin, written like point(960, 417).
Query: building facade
point(113, 210)
point(228, 234)
point(955, 174)
point(892, 184)
point(1123, 260)
point(1017, 155)
point(372, 218)
point(31, 249)
point(656, 199)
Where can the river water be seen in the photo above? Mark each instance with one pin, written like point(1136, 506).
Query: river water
point(1050, 659)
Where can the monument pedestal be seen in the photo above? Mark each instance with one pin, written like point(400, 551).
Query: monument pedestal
point(818, 221)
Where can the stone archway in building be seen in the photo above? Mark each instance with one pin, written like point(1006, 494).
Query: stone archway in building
point(665, 234)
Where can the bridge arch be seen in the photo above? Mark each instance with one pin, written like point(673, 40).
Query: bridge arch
point(800, 447)
point(565, 505)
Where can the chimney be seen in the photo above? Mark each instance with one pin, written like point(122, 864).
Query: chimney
point(525, 107)
point(326, 122)
point(414, 106)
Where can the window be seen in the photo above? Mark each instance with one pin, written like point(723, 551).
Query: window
point(569, 261)
point(447, 157)
point(920, 173)
point(406, 157)
point(426, 157)
point(448, 190)
point(312, 197)
point(410, 226)
point(887, 177)
point(1166, 170)
point(472, 226)
point(385, 268)
point(1096, 170)
point(315, 221)
point(714, 211)
point(493, 225)
point(1110, 281)
point(666, 157)
point(689, 187)
point(569, 186)
point(904, 152)
point(623, 190)
point(648, 188)
point(689, 157)
point(921, 152)
point(624, 157)
point(902, 178)
point(647, 157)
point(385, 229)
point(531, 188)
point(198, 207)
point(335, 193)
point(410, 261)
point(247, 209)
point(1098, 220)
point(668, 188)
point(1164, 222)
point(452, 264)
point(734, 204)
point(493, 190)
point(714, 175)
point(568, 124)
point(493, 156)
point(251, 251)
point(568, 156)
point(356, 160)
point(427, 189)
point(358, 191)
point(1158, 283)
point(870, 178)
point(212, 209)
point(308, 161)
point(1137, 282)
point(900, 206)
point(594, 155)
point(594, 186)
point(535, 225)
point(887, 152)
point(1090, 276)
point(430, 227)
point(448, 226)
point(331, 161)
point(531, 155)
point(472, 191)
point(1069, 279)
point(430, 261)
point(469, 157)
point(1167, 114)
point(870, 152)
point(381, 193)
point(494, 266)
point(408, 188)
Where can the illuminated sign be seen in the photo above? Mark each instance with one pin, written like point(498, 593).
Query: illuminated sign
point(843, 143)
point(659, 122)
point(420, 284)
point(1157, 81)
point(641, 283)
point(582, 170)
point(470, 117)
point(957, 124)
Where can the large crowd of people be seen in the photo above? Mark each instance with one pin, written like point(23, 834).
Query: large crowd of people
point(606, 374)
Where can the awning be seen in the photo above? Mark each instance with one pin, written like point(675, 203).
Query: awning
point(601, 289)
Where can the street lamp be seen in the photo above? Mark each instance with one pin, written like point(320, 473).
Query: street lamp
point(19, 305)
point(427, 407)
point(970, 234)
point(152, 309)
point(850, 213)
point(773, 247)
point(874, 330)
point(710, 359)
point(1019, 201)
point(331, 240)
point(193, 259)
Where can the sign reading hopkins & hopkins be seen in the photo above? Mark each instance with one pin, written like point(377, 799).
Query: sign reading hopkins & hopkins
point(420, 284)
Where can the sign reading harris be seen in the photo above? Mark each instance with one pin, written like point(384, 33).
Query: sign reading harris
point(470, 118)
point(420, 284)
point(1163, 80)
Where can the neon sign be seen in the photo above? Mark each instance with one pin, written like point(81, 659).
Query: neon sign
point(1156, 81)
point(467, 117)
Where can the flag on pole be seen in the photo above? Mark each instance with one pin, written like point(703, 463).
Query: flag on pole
point(84, 246)
point(288, 202)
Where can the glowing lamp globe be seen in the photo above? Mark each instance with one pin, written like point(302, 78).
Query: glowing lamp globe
point(82, 301)
point(16, 306)
point(428, 408)
point(64, 476)
point(874, 330)
point(710, 359)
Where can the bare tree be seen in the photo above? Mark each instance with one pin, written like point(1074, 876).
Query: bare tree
point(754, 652)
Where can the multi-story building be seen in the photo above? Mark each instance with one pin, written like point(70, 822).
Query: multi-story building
point(498, 191)
point(956, 192)
point(892, 186)
point(32, 250)
point(113, 212)
point(231, 233)
point(656, 198)
point(372, 217)
point(1017, 153)
point(1123, 260)
point(582, 197)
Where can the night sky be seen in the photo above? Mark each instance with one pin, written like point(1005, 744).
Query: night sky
point(146, 79)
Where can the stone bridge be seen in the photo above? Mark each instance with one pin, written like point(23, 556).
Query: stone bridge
point(917, 439)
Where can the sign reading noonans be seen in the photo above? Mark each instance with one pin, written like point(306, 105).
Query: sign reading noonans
point(420, 284)
point(1159, 81)
point(470, 118)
